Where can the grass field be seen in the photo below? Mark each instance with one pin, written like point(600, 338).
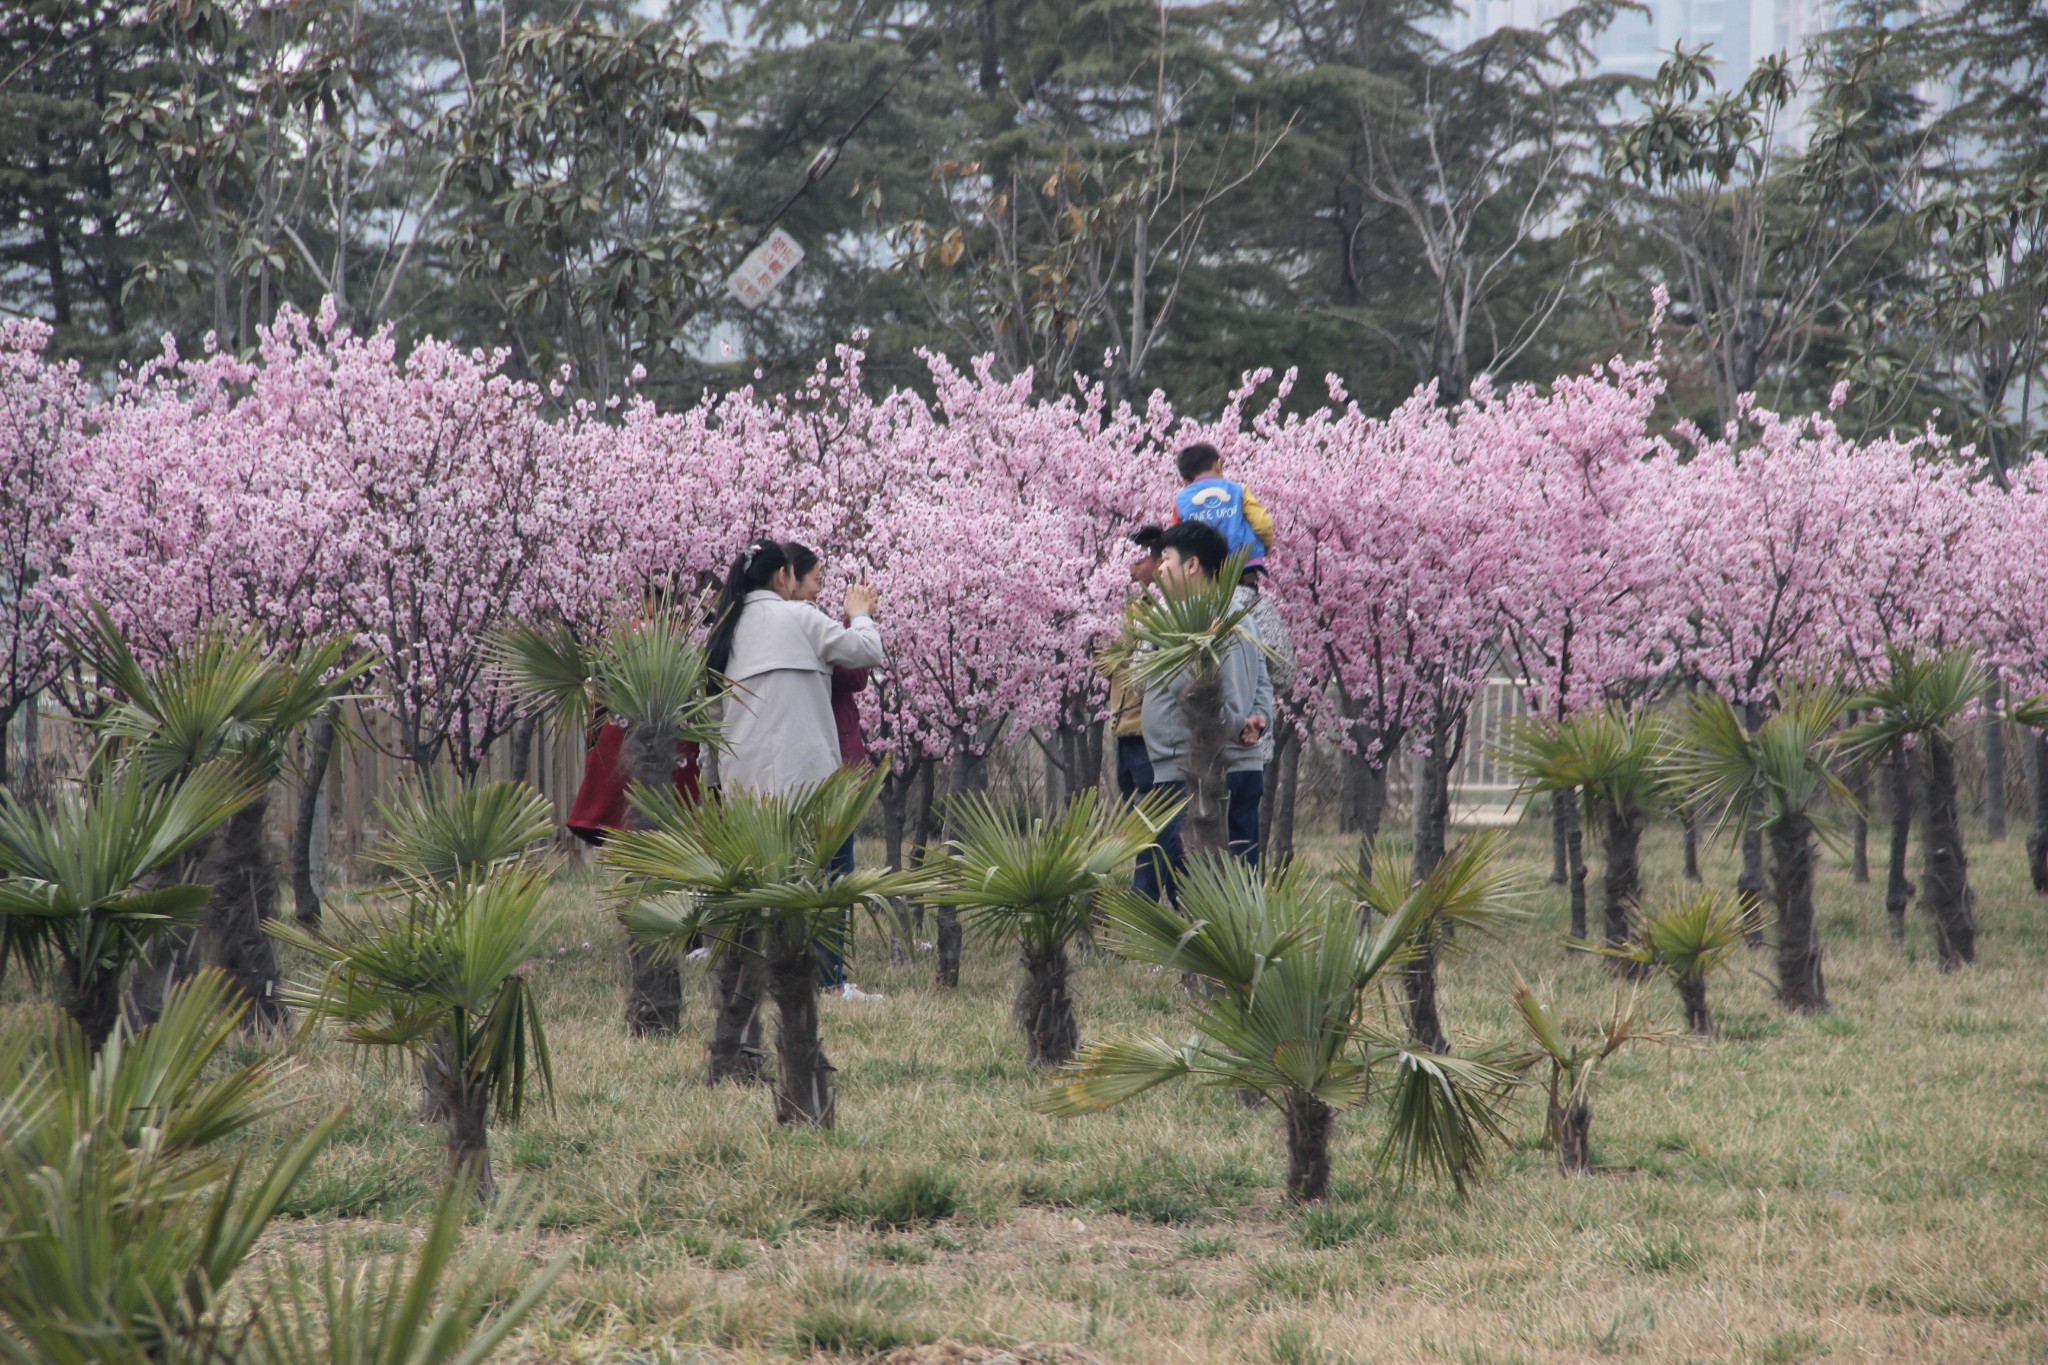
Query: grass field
point(1865, 1185)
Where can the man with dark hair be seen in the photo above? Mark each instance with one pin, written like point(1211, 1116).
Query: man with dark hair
point(1206, 496)
point(1194, 552)
point(1126, 707)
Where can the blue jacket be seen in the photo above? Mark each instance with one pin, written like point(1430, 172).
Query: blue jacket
point(1223, 504)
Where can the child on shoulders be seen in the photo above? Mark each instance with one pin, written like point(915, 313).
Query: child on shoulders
point(1225, 504)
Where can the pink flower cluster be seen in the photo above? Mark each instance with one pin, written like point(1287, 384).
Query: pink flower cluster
point(418, 502)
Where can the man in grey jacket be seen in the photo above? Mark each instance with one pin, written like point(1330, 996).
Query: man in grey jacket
point(1195, 552)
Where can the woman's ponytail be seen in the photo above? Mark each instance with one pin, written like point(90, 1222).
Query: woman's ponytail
point(755, 569)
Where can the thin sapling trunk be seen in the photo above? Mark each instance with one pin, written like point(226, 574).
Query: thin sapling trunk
point(1898, 890)
point(1692, 993)
point(1571, 1124)
point(319, 755)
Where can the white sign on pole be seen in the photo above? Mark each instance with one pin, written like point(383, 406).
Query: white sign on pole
point(765, 267)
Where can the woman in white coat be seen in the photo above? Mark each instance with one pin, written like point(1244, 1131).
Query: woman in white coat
point(774, 654)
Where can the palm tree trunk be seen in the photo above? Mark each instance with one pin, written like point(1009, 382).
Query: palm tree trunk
point(1204, 828)
point(736, 1051)
point(803, 1085)
point(243, 884)
point(1898, 891)
point(1692, 993)
point(1276, 819)
point(92, 998)
point(1800, 984)
point(1689, 821)
point(1045, 1008)
point(1575, 861)
point(1309, 1121)
point(319, 754)
point(465, 1106)
point(654, 990)
point(1572, 1124)
point(1621, 885)
point(2037, 832)
point(1945, 868)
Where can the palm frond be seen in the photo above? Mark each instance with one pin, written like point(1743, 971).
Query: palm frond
point(546, 665)
point(443, 832)
point(1920, 694)
point(1441, 1111)
point(1110, 1072)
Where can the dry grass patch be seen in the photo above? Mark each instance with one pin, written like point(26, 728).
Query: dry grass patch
point(1860, 1186)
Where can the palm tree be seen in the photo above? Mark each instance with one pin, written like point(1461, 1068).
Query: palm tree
point(1291, 968)
point(1613, 757)
point(762, 862)
point(1786, 768)
point(79, 887)
point(1033, 884)
point(1689, 940)
point(1574, 1063)
point(224, 697)
point(651, 676)
point(130, 1234)
point(434, 969)
point(1187, 630)
point(1918, 704)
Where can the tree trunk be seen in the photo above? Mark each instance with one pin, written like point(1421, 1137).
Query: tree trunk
point(1432, 811)
point(1859, 830)
point(521, 740)
point(319, 754)
point(1308, 1147)
point(924, 813)
point(92, 998)
point(1204, 827)
point(464, 1106)
point(1692, 993)
point(1563, 815)
point(803, 1083)
point(970, 774)
point(1689, 822)
point(242, 883)
point(1354, 772)
point(736, 1051)
point(1751, 888)
point(1944, 867)
point(2037, 833)
point(1800, 985)
point(1994, 765)
point(654, 992)
point(1898, 891)
point(1572, 1124)
point(1372, 808)
point(1045, 1009)
point(895, 803)
point(1571, 818)
point(1280, 840)
point(1621, 884)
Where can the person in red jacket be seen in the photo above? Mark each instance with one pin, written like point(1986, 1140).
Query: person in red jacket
point(847, 685)
point(600, 805)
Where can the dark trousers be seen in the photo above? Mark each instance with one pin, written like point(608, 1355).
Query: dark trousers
point(1133, 766)
point(1158, 866)
point(833, 943)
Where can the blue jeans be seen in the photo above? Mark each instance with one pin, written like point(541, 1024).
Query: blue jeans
point(833, 943)
point(1158, 865)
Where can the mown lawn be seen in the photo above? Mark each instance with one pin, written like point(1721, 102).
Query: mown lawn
point(1865, 1185)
